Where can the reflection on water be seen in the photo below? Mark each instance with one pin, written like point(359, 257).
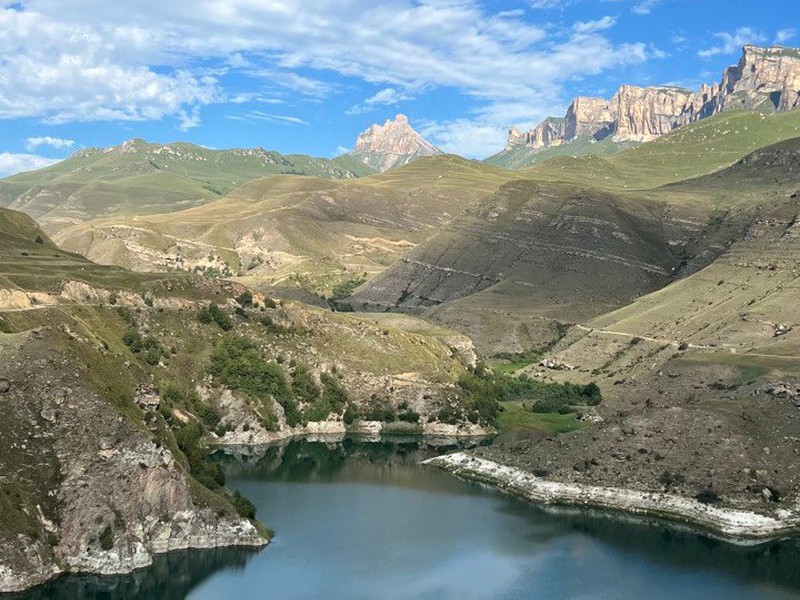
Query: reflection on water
point(172, 576)
point(364, 521)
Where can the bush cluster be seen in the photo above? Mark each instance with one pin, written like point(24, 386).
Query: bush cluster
point(484, 390)
point(238, 364)
point(149, 348)
point(214, 314)
point(343, 289)
point(207, 473)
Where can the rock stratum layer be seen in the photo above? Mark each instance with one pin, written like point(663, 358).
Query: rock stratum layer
point(763, 78)
point(393, 144)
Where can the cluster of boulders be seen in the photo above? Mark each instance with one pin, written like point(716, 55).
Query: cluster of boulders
point(549, 363)
point(782, 329)
point(148, 397)
point(782, 389)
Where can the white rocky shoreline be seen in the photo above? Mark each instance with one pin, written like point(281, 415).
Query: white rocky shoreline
point(736, 526)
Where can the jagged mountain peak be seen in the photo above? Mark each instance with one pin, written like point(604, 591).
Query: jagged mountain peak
point(392, 144)
point(764, 78)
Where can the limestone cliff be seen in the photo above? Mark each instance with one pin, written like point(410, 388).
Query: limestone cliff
point(764, 78)
point(643, 114)
point(393, 144)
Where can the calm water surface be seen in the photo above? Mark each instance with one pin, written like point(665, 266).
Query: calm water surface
point(364, 522)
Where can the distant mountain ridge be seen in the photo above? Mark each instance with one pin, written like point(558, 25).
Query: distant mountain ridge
point(393, 144)
point(763, 78)
point(139, 177)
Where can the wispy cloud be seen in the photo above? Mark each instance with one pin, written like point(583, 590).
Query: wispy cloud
point(593, 26)
point(11, 164)
point(33, 143)
point(645, 7)
point(106, 61)
point(257, 115)
point(730, 43)
point(385, 97)
point(784, 35)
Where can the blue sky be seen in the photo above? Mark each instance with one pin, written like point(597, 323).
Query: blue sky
point(307, 77)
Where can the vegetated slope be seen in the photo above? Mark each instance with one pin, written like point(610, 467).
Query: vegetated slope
point(137, 178)
point(112, 383)
point(691, 151)
point(545, 250)
point(520, 156)
point(299, 232)
point(702, 377)
point(560, 250)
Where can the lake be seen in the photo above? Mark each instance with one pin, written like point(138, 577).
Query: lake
point(363, 521)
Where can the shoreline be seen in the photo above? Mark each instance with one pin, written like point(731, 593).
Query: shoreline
point(239, 533)
point(740, 527)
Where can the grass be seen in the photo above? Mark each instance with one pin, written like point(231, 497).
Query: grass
point(515, 417)
point(144, 178)
point(690, 151)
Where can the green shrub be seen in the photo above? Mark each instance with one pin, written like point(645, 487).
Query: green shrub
point(245, 299)
point(346, 288)
point(207, 473)
point(484, 390)
point(216, 315)
point(149, 348)
point(238, 364)
point(304, 387)
point(106, 538)
point(133, 340)
point(351, 415)
point(408, 416)
point(333, 393)
point(379, 409)
point(243, 506)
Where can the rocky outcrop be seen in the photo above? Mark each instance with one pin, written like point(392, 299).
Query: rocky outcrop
point(592, 117)
point(764, 78)
point(643, 114)
point(393, 144)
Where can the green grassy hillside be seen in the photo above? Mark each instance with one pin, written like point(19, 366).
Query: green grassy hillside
point(691, 151)
point(298, 232)
point(519, 157)
point(138, 178)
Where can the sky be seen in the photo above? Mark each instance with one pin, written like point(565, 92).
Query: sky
point(306, 76)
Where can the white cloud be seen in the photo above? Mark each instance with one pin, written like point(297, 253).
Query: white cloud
point(107, 60)
point(385, 97)
point(731, 43)
point(593, 26)
point(465, 137)
point(645, 7)
point(257, 115)
point(784, 35)
point(548, 4)
point(17, 163)
point(33, 143)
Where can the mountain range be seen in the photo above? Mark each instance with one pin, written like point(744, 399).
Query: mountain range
point(170, 297)
point(764, 79)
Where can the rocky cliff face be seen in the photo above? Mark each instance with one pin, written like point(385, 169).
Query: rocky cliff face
point(643, 114)
point(764, 78)
point(393, 144)
point(589, 117)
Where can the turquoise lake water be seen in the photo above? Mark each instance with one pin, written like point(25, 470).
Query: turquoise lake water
point(358, 521)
